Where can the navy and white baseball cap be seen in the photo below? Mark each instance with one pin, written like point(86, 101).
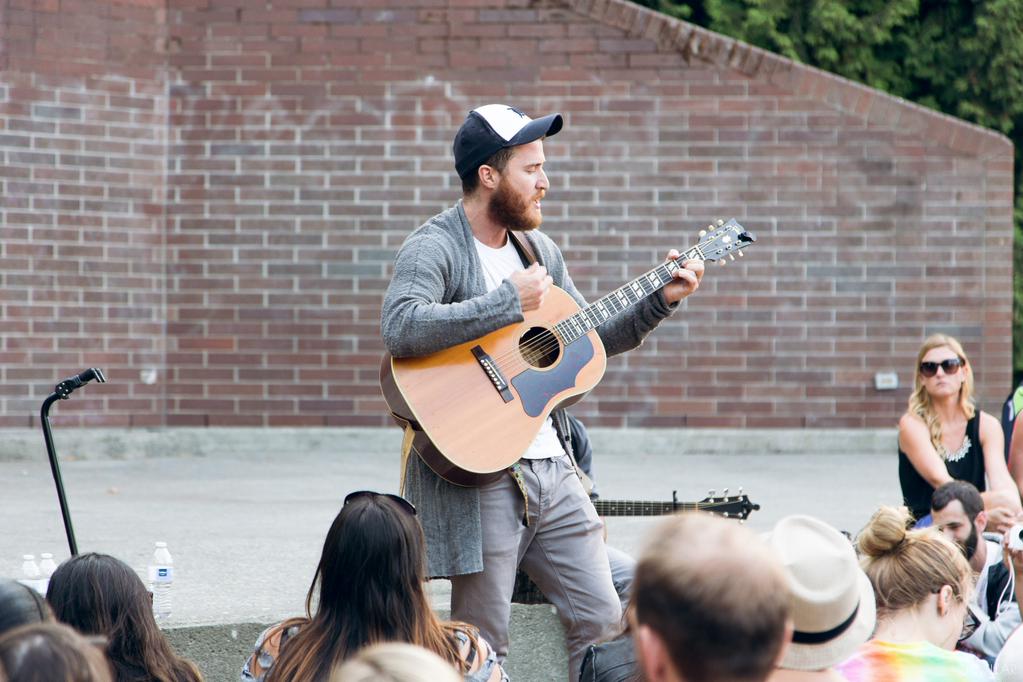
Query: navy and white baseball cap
point(493, 127)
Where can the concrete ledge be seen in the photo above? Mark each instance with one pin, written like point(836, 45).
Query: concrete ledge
point(537, 646)
point(120, 444)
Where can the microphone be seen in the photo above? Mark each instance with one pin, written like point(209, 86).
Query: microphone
point(65, 388)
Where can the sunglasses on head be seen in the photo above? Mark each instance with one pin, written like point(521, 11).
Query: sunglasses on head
point(401, 501)
point(950, 366)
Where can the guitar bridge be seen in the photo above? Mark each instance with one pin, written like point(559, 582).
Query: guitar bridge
point(493, 373)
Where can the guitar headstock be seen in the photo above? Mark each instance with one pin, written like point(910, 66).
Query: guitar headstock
point(729, 506)
point(722, 240)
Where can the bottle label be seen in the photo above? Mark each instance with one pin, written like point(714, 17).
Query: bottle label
point(161, 574)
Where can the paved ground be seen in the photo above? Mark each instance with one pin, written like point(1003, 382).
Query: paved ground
point(245, 533)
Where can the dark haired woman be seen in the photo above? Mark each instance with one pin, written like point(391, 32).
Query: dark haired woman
point(100, 595)
point(944, 437)
point(368, 588)
point(21, 605)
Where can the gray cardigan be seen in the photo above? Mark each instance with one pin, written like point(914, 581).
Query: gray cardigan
point(438, 298)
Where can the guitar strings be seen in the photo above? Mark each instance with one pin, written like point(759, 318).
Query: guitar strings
point(547, 341)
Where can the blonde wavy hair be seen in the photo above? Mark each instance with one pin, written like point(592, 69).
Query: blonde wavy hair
point(920, 402)
point(905, 566)
point(395, 662)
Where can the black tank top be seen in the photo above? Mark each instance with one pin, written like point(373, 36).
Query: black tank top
point(916, 492)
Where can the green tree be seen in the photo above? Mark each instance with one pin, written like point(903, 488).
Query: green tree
point(961, 57)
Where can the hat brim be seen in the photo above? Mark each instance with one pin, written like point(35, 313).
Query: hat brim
point(469, 155)
point(545, 126)
point(827, 654)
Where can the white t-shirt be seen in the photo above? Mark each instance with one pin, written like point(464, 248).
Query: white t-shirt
point(498, 265)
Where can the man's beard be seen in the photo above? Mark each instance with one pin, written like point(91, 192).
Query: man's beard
point(508, 210)
point(969, 545)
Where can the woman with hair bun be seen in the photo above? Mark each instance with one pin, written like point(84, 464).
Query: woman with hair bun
point(944, 437)
point(922, 585)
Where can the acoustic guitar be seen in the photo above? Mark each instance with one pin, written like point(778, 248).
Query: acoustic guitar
point(476, 407)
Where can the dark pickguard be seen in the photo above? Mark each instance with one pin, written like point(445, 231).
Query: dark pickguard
point(536, 388)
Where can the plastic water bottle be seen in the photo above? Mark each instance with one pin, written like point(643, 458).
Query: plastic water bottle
point(161, 578)
point(46, 566)
point(30, 574)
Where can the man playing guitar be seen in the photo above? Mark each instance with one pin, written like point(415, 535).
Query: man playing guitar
point(462, 275)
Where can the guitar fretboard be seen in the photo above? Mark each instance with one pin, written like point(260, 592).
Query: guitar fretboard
point(602, 310)
point(640, 508)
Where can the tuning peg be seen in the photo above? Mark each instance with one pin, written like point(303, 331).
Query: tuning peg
point(711, 226)
point(720, 222)
point(703, 233)
point(722, 262)
point(740, 490)
point(742, 254)
point(724, 493)
point(731, 256)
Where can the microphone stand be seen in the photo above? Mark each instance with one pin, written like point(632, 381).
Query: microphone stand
point(63, 391)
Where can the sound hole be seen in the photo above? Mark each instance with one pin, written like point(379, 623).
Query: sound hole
point(539, 347)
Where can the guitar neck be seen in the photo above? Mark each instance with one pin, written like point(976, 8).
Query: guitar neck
point(642, 508)
point(602, 310)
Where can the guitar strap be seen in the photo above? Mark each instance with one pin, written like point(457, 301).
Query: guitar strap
point(528, 256)
point(406, 450)
point(524, 248)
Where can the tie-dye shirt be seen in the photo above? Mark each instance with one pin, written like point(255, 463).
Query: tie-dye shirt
point(878, 661)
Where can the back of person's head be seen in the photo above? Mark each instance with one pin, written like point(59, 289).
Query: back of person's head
point(833, 609)
point(373, 563)
point(51, 652)
point(395, 662)
point(98, 594)
point(907, 566)
point(369, 583)
point(714, 598)
point(963, 491)
point(21, 605)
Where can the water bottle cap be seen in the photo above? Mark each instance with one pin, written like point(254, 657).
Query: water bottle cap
point(46, 555)
point(161, 544)
point(28, 557)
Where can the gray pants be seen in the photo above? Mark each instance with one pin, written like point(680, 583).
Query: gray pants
point(623, 569)
point(562, 550)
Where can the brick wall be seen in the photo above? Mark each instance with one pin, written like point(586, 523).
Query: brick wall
point(83, 117)
point(303, 142)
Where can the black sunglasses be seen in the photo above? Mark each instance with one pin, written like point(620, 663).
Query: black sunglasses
point(401, 501)
point(950, 366)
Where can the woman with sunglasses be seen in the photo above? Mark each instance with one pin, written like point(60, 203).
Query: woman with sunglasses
point(922, 586)
point(368, 588)
point(944, 437)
